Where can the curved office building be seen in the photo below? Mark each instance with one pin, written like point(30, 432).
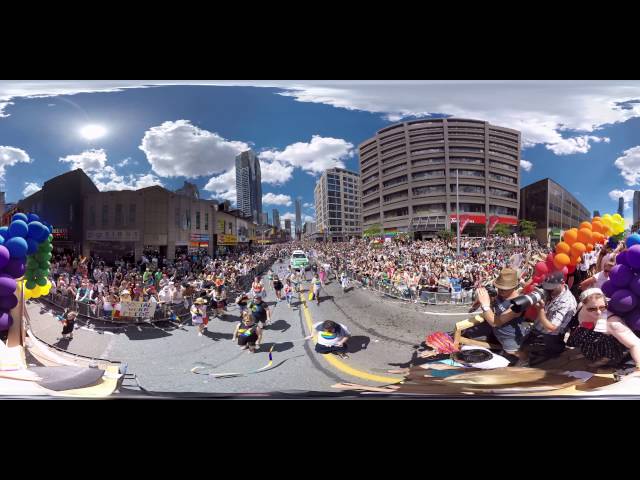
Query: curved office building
point(408, 176)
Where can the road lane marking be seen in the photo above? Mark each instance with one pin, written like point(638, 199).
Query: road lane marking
point(343, 367)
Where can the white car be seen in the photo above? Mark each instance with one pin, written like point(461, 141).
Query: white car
point(299, 260)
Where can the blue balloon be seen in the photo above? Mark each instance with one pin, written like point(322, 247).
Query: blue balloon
point(19, 216)
point(4, 232)
point(32, 246)
point(33, 217)
point(17, 247)
point(18, 228)
point(37, 230)
point(633, 239)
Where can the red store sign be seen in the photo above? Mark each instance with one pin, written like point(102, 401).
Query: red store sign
point(482, 219)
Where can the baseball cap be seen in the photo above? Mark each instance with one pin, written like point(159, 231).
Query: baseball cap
point(553, 281)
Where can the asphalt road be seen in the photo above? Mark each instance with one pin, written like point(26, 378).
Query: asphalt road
point(384, 335)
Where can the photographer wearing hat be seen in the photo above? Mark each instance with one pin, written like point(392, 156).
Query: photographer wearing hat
point(508, 327)
point(555, 312)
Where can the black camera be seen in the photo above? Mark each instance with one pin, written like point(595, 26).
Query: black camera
point(523, 302)
point(491, 290)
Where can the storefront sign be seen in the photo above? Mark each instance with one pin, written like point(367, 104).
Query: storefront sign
point(114, 235)
point(227, 240)
point(199, 237)
point(60, 234)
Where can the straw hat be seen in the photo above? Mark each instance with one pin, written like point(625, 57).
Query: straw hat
point(200, 301)
point(507, 280)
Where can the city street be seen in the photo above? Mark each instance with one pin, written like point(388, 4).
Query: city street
point(384, 334)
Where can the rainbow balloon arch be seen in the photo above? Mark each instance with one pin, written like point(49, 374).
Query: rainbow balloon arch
point(25, 261)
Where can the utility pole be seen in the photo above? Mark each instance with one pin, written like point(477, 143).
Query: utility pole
point(457, 216)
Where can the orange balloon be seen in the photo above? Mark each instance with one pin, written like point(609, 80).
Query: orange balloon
point(597, 237)
point(561, 260)
point(578, 249)
point(589, 247)
point(573, 261)
point(584, 235)
point(596, 219)
point(586, 225)
point(563, 247)
point(571, 236)
point(597, 227)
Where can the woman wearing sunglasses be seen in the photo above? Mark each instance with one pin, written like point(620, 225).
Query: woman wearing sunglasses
point(601, 336)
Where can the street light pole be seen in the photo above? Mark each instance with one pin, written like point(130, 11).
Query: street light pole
point(457, 216)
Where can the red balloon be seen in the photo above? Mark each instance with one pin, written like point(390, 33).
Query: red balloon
point(538, 278)
point(565, 272)
point(571, 268)
point(541, 268)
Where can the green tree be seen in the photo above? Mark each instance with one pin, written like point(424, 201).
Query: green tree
point(445, 234)
point(527, 228)
point(502, 230)
point(373, 230)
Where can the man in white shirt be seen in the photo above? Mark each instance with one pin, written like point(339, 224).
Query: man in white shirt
point(331, 338)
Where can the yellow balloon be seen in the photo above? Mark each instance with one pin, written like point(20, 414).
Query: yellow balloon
point(617, 217)
point(27, 294)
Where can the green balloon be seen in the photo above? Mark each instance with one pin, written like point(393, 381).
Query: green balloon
point(31, 284)
point(42, 281)
point(50, 238)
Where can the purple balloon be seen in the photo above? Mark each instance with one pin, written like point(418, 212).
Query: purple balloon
point(633, 257)
point(4, 256)
point(5, 321)
point(621, 259)
point(623, 301)
point(16, 267)
point(608, 289)
point(8, 302)
point(633, 320)
point(634, 284)
point(7, 285)
point(620, 276)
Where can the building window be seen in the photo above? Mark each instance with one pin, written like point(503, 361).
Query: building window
point(197, 220)
point(105, 215)
point(472, 189)
point(432, 208)
point(469, 207)
point(132, 214)
point(118, 215)
point(499, 210)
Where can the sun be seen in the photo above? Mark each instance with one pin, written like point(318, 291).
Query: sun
point(91, 132)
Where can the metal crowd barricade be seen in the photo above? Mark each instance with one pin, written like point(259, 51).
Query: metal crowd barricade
point(404, 293)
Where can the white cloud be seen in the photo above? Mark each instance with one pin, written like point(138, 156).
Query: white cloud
point(276, 199)
point(30, 188)
point(89, 160)
point(629, 165)
point(9, 156)
point(315, 156)
point(308, 218)
point(627, 195)
point(124, 162)
point(223, 186)
point(308, 205)
point(541, 110)
point(176, 149)
point(526, 165)
point(288, 216)
point(275, 173)
point(568, 146)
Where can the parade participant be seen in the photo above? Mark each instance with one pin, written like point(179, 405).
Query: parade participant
point(601, 336)
point(248, 333)
point(277, 287)
point(508, 327)
point(68, 320)
point(242, 301)
point(331, 338)
point(288, 291)
point(199, 314)
point(315, 289)
point(218, 296)
point(257, 288)
point(322, 275)
point(261, 313)
point(344, 281)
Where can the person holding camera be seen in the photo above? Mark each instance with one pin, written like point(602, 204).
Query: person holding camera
point(555, 311)
point(508, 326)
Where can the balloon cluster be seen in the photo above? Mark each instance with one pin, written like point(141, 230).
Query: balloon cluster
point(623, 286)
point(615, 223)
point(577, 241)
point(24, 236)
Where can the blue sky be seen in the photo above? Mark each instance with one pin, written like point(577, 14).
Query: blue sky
point(584, 135)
